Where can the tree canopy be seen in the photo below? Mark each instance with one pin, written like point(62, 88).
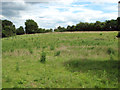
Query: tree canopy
point(20, 31)
point(31, 26)
point(8, 28)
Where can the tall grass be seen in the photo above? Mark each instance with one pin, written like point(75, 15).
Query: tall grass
point(74, 60)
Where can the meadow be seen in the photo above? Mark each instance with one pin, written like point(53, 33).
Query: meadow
point(71, 60)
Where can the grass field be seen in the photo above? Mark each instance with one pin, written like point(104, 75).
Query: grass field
point(73, 60)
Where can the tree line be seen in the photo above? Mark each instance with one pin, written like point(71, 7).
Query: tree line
point(31, 27)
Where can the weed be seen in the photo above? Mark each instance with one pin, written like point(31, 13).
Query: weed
point(8, 79)
point(38, 47)
point(43, 57)
point(21, 81)
point(110, 51)
point(31, 51)
point(111, 56)
point(35, 80)
point(52, 47)
point(83, 41)
point(44, 47)
point(57, 53)
point(12, 50)
point(92, 47)
point(17, 66)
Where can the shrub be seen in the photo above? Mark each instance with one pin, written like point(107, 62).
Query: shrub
point(43, 57)
point(101, 34)
point(57, 53)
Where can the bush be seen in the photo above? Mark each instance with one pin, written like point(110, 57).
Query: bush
point(43, 57)
point(57, 53)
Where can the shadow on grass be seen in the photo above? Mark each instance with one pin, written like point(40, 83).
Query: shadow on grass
point(94, 66)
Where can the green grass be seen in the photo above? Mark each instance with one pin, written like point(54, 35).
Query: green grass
point(72, 60)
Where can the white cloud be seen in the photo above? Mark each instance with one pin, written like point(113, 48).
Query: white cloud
point(2, 17)
point(98, 1)
point(52, 17)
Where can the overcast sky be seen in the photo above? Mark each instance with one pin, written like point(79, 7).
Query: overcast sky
point(54, 13)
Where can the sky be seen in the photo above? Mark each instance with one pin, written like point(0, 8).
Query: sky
point(54, 13)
